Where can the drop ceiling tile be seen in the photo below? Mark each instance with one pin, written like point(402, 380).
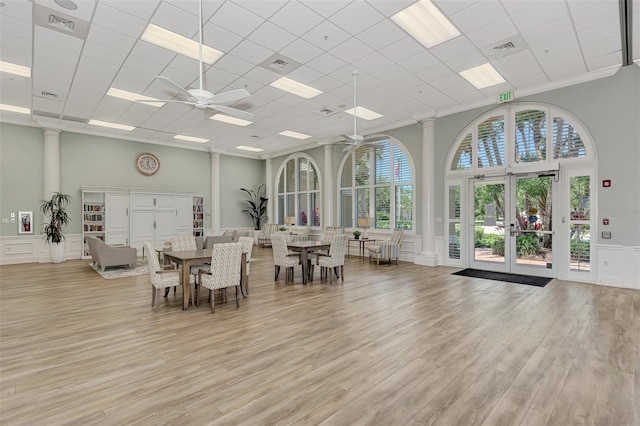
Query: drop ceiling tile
point(444, 83)
point(233, 64)
point(556, 47)
point(515, 6)
point(450, 7)
point(262, 75)
point(326, 36)
point(599, 32)
point(389, 8)
point(264, 9)
point(402, 49)
point(236, 19)
point(356, 17)
point(103, 53)
point(434, 73)
point(152, 53)
point(135, 76)
point(301, 51)
point(15, 90)
point(491, 34)
point(305, 75)
point(325, 8)
point(296, 18)
point(326, 63)
point(606, 11)
point(453, 48)
point(84, 10)
point(394, 72)
point(215, 79)
point(419, 62)
point(381, 35)
point(478, 15)
point(464, 62)
point(271, 36)
point(149, 67)
point(577, 6)
point(47, 105)
point(605, 61)
point(56, 39)
point(219, 38)
point(97, 71)
point(251, 52)
point(53, 67)
point(373, 62)
point(351, 50)
point(16, 47)
point(173, 18)
point(327, 83)
point(420, 91)
point(119, 21)
point(548, 32)
point(110, 39)
point(21, 10)
point(407, 83)
point(142, 9)
point(562, 66)
point(16, 27)
point(604, 47)
point(518, 60)
point(540, 14)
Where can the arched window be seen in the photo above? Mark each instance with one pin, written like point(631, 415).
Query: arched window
point(298, 191)
point(377, 187)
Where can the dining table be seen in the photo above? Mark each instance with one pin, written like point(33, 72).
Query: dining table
point(304, 248)
point(187, 258)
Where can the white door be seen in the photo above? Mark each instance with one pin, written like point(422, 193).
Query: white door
point(184, 214)
point(142, 228)
point(512, 229)
point(165, 226)
point(117, 218)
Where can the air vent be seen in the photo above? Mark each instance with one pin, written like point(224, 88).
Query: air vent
point(325, 112)
point(49, 95)
point(61, 23)
point(280, 64)
point(506, 47)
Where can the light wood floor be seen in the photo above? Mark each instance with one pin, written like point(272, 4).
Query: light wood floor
point(393, 345)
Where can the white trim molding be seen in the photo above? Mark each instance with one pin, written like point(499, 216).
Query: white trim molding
point(618, 266)
point(33, 249)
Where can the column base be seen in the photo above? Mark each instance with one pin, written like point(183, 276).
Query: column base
point(426, 259)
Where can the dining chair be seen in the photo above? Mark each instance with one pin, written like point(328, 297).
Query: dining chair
point(333, 260)
point(226, 263)
point(247, 247)
point(282, 257)
point(187, 243)
point(161, 277)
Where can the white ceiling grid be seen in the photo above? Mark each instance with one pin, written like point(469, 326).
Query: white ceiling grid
point(558, 42)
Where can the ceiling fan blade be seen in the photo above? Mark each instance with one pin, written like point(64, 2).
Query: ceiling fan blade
point(228, 97)
point(233, 112)
point(176, 86)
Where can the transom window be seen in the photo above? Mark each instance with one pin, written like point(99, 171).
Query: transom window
point(298, 191)
point(377, 187)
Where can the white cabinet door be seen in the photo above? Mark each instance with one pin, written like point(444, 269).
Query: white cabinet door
point(184, 211)
point(164, 201)
point(117, 218)
point(142, 228)
point(165, 226)
point(142, 201)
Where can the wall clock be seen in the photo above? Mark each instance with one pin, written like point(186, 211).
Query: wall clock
point(147, 164)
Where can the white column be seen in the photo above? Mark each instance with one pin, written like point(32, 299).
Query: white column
point(51, 161)
point(215, 192)
point(268, 176)
point(428, 256)
point(327, 188)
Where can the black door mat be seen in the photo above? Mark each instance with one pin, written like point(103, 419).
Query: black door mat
point(501, 276)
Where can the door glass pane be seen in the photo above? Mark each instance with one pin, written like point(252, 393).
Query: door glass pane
point(454, 222)
point(580, 187)
point(580, 247)
point(404, 207)
point(383, 208)
point(533, 222)
point(315, 209)
point(489, 222)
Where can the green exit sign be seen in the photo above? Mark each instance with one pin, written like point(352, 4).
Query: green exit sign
point(505, 97)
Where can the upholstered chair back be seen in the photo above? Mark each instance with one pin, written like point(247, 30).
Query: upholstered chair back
point(183, 243)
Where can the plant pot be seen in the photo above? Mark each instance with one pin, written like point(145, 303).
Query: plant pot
point(56, 252)
point(357, 237)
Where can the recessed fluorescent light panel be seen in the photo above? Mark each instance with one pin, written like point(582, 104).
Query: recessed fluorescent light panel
point(296, 88)
point(231, 120)
point(13, 108)
point(249, 148)
point(294, 134)
point(111, 125)
point(130, 96)
point(15, 69)
point(179, 44)
point(482, 76)
point(424, 22)
point(364, 113)
point(191, 139)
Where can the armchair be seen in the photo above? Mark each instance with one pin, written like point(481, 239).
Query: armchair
point(104, 255)
point(387, 249)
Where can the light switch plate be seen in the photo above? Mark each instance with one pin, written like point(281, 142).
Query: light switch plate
point(606, 235)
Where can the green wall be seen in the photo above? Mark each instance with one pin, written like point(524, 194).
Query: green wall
point(236, 173)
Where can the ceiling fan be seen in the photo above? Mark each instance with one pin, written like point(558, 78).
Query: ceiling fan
point(355, 140)
point(202, 99)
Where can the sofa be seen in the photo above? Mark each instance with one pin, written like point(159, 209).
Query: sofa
point(104, 255)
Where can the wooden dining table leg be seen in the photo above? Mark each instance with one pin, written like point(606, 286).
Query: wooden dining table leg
point(244, 280)
point(186, 287)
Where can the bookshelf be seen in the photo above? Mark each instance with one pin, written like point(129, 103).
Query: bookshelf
point(198, 216)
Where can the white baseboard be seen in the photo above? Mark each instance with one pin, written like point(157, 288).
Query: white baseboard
point(33, 249)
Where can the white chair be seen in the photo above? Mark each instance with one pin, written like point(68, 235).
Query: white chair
point(282, 258)
point(160, 278)
point(247, 247)
point(387, 249)
point(187, 243)
point(333, 260)
point(226, 263)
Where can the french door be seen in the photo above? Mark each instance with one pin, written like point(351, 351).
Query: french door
point(512, 224)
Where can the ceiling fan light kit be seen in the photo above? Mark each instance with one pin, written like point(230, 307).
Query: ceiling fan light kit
point(355, 140)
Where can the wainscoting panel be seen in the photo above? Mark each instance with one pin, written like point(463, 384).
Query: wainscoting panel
point(618, 266)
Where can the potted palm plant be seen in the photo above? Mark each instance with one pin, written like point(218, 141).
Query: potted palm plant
point(56, 210)
point(257, 206)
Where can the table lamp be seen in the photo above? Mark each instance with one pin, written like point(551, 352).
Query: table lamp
point(364, 222)
point(289, 220)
